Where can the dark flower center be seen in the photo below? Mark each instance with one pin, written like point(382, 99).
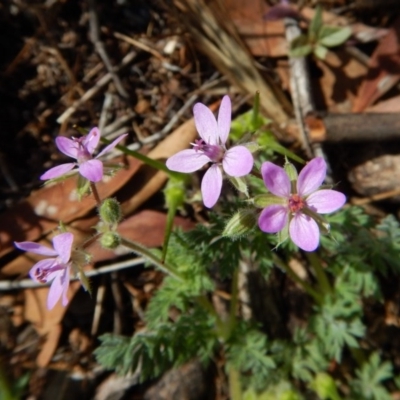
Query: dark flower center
point(83, 154)
point(296, 203)
point(214, 152)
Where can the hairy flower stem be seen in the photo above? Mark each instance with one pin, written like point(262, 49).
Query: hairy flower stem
point(323, 281)
point(144, 252)
point(307, 288)
point(95, 193)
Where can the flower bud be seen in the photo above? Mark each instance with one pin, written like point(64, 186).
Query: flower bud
point(240, 224)
point(110, 212)
point(110, 240)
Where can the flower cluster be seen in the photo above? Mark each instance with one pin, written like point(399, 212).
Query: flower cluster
point(292, 206)
point(297, 204)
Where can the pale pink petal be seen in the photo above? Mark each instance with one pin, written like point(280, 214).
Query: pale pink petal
point(36, 248)
point(325, 201)
point(112, 145)
point(91, 141)
point(65, 283)
point(58, 171)
point(40, 265)
point(304, 232)
point(55, 292)
point(92, 170)
point(211, 185)
point(273, 218)
point(276, 179)
point(224, 119)
point(206, 124)
point(238, 161)
point(311, 176)
point(67, 146)
point(62, 244)
point(187, 161)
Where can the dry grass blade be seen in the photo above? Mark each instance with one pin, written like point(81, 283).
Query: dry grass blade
point(216, 36)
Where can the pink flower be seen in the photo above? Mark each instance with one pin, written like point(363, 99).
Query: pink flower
point(55, 269)
point(82, 150)
point(280, 11)
point(298, 203)
point(237, 161)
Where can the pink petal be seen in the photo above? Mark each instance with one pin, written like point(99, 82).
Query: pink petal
point(63, 244)
point(92, 170)
point(211, 185)
point(112, 145)
point(273, 218)
point(91, 141)
point(276, 179)
point(311, 176)
point(304, 232)
point(55, 292)
point(42, 264)
point(238, 161)
point(65, 283)
point(36, 248)
point(187, 161)
point(224, 120)
point(206, 124)
point(58, 171)
point(67, 146)
point(325, 201)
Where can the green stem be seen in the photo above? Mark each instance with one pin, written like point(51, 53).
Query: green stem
point(144, 252)
point(141, 157)
point(235, 388)
point(322, 278)
point(307, 288)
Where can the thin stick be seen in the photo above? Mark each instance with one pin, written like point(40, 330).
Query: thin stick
point(101, 50)
point(30, 284)
point(95, 89)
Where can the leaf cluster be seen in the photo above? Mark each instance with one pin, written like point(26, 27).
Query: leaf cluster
point(319, 38)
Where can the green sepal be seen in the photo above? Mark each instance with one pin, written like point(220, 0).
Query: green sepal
point(267, 199)
point(240, 184)
point(82, 186)
point(241, 223)
point(283, 235)
point(291, 171)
